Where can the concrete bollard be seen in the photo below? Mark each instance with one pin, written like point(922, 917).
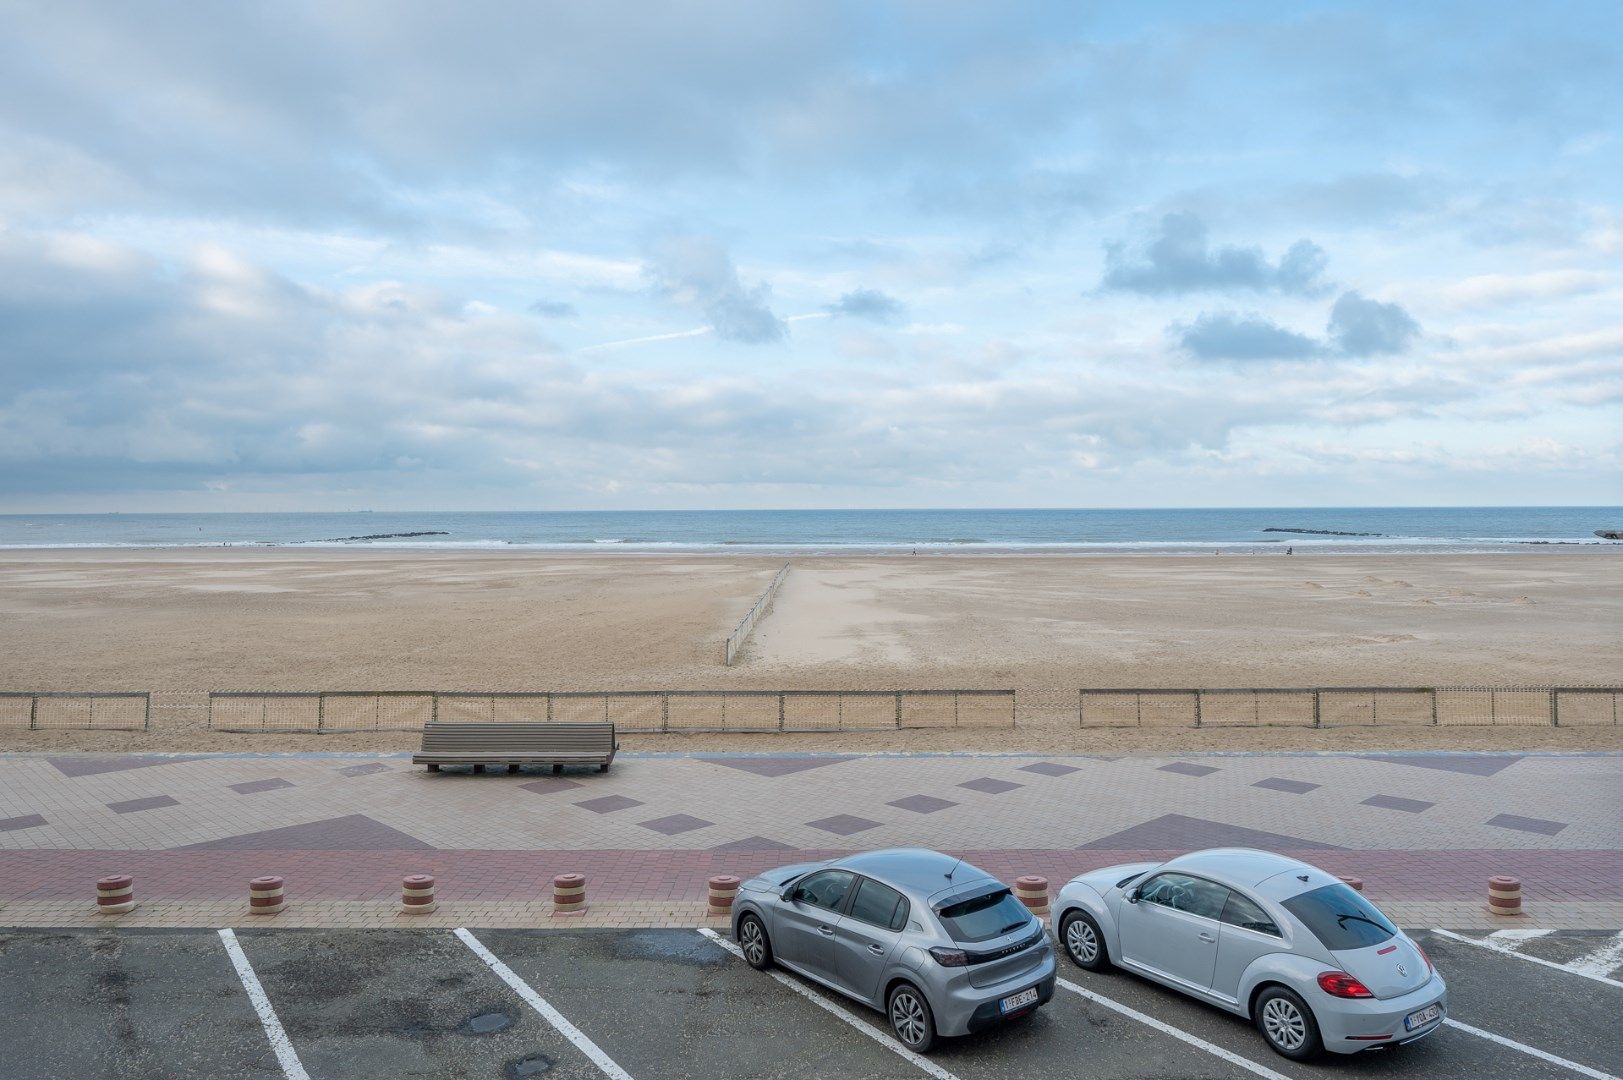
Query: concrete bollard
point(1355, 884)
point(1032, 891)
point(115, 894)
point(265, 895)
point(723, 891)
point(417, 894)
point(569, 894)
point(1504, 895)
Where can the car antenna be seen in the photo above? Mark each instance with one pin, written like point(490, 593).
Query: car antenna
point(955, 867)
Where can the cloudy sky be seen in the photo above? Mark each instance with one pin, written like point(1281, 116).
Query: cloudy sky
point(343, 253)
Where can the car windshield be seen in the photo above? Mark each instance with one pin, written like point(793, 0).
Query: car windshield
point(984, 917)
point(1340, 918)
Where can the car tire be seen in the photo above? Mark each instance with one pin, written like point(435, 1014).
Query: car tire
point(1287, 1024)
point(754, 943)
point(1079, 936)
point(911, 1020)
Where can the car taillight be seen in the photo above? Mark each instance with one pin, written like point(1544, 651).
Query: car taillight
point(1430, 968)
point(1342, 985)
point(949, 957)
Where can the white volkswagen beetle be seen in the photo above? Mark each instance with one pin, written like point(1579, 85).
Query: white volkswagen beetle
point(1310, 961)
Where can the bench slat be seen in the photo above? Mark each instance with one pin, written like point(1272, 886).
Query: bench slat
point(517, 742)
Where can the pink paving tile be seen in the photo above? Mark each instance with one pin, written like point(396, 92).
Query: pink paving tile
point(990, 785)
point(608, 804)
point(252, 787)
point(151, 802)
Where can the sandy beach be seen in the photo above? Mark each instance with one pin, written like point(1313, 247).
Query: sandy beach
point(350, 619)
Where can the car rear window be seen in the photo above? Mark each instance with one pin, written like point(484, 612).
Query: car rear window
point(1340, 918)
point(984, 917)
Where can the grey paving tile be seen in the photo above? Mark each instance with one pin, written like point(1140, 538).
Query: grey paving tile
point(844, 824)
point(252, 787)
point(548, 785)
point(363, 770)
point(608, 804)
point(151, 802)
point(922, 804)
point(1397, 802)
point(1468, 764)
point(353, 831)
point(94, 764)
point(1527, 824)
point(1279, 783)
point(1050, 768)
point(27, 821)
point(754, 843)
point(778, 766)
point(1189, 768)
point(990, 785)
point(1171, 832)
point(676, 823)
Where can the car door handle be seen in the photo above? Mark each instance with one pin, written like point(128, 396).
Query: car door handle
point(826, 931)
point(877, 950)
point(1204, 936)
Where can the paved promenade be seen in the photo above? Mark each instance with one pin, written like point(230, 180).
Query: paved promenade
point(1424, 830)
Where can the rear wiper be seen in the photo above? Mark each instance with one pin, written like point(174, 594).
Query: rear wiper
point(1011, 926)
point(1341, 920)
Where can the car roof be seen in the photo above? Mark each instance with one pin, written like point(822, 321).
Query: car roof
point(1244, 867)
point(917, 869)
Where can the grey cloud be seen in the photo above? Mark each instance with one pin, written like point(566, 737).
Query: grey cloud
point(1179, 258)
point(553, 309)
point(1229, 336)
point(1360, 326)
point(696, 272)
point(868, 304)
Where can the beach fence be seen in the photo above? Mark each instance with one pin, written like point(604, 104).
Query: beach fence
point(763, 604)
point(1381, 706)
point(633, 711)
point(69, 711)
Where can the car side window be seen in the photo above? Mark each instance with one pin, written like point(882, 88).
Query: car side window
point(879, 905)
point(1243, 913)
point(1180, 892)
point(825, 889)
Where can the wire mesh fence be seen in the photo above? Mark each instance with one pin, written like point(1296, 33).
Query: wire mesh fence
point(645, 711)
point(91, 712)
point(655, 711)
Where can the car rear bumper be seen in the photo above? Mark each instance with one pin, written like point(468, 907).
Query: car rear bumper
point(963, 1009)
point(1349, 1026)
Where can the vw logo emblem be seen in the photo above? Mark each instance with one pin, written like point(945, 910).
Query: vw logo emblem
point(1403, 972)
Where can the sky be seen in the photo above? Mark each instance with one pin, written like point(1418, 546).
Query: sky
point(391, 254)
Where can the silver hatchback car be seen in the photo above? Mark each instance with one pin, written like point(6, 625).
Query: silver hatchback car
point(1314, 964)
point(940, 947)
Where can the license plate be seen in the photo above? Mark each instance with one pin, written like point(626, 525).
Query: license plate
point(1018, 1001)
point(1423, 1017)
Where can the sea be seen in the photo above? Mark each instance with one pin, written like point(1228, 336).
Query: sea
point(1144, 531)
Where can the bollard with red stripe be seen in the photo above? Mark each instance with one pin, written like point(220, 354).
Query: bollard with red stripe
point(1032, 891)
point(115, 894)
point(417, 894)
point(723, 891)
point(569, 894)
point(1355, 884)
point(265, 895)
point(1504, 895)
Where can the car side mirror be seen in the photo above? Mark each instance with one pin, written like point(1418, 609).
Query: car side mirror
point(787, 895)
point(1132, 897)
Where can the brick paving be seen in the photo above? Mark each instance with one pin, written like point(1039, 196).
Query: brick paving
point(1424, 831)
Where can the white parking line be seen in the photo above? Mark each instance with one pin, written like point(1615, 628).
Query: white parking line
point(539, 1004)
point(861, 1025)
point(1582, 1070)
point(281, 1045)
point(1503, 950)
point(1602, 960)
point(1177, 1033)
point(1515, 939)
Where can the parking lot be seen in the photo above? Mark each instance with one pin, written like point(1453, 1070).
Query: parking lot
point(679, 1003)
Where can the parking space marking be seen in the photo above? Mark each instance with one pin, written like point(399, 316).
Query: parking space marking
point(1177, 1033)
point(1504, 950)
point(1583, 1070)
point(857, 1022)
point(535, 1001)
point(1602, 960)
point(281, 1045)
point(1515, 939)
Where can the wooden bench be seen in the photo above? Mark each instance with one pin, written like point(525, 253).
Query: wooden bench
point(516, 743)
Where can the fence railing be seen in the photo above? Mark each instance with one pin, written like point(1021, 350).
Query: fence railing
point(96, 712)
point(1342, 706)
point(637, 711)
point(763, 603)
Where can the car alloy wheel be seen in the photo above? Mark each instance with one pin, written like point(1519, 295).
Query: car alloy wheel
point(1083, 944)
point(910, 1018)
point(1283, 1024)
point(753, 943)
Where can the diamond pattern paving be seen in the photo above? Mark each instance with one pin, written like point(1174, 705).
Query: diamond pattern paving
point(151, 802)
point(754, 843)
point(1279, 783)
point(1468, 764)
point(27, 821)
point(551, 784)
point(1049, 768)
point(676, 823)
point(608, 804)
point(349, 833)
point(255, 786)
point(844, 824)
point(1186, 768)
point(1527, 824)
point(364, 770)
point(990, 785)
point(1171, 832)
point(1394, 802)
point(777, 766)
point(922, 804)
point(93, 764)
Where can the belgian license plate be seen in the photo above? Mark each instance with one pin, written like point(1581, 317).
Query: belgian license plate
point(1422, 1017)
point(1018, 1001)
